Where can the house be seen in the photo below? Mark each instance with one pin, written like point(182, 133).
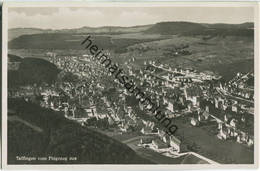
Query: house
point(149, 124)
point(194, 122)
point(225, 118)
point(72, 111)
point(250, 141)
point(166, 139)
point(220, 125)
point(193, 99)
point(91, 111)
point(102, 115)
point(146, 130)
point(199, 116)
point(170, 114)
point(146, 140)
point(159, 144)
point(223, 133)
point(234, 108)
point(242, 137)
point(239, 138)
point(66, 111)
point(170, 105)
point(216, 102)
point(189, 105)
point(233, 133)
point(129, 110)
point(161, 134)
point(131, 122)
point(111, 121)
point(225, 106)
point(124, 127)
point(233, 123)
point(205, 115)
point(175, 143)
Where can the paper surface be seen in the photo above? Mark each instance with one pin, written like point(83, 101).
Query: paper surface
point(135, 85)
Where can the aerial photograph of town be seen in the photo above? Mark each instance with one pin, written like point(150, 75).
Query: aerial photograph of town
point(130, 85)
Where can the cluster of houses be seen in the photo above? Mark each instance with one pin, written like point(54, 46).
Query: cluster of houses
point(182, 75)
point(201, 116)
point(229, 123)
point(242, 85)
point(160, 141)
point(228, 130)
point(193, 93)
point(91, 102)
point(178, 92)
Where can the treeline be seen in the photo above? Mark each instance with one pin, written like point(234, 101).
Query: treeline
point(31, 71)
point(222, 32)
point(194, 29)
point(70, 41)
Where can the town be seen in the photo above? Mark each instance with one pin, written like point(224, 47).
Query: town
point(199, 101)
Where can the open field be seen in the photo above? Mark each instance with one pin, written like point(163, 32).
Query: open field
point(214, 148)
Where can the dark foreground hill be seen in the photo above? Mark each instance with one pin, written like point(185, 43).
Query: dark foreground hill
point(31, 71)
point(39, 132)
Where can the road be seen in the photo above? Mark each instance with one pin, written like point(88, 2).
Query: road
point(18, 119)
point(234, 97)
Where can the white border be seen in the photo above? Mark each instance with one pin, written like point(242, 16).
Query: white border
point(7, 5)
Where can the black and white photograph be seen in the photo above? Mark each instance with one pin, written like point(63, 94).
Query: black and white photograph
point(128, 84)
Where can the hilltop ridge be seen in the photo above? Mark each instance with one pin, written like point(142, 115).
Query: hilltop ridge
point(158, 28)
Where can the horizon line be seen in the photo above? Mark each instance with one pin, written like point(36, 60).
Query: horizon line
point(126, 26)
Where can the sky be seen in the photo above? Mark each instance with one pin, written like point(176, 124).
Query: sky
point(62, 18)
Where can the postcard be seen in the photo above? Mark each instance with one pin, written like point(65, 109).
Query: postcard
point(130, 85)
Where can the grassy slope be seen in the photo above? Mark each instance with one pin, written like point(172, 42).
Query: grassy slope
point(224, 55)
